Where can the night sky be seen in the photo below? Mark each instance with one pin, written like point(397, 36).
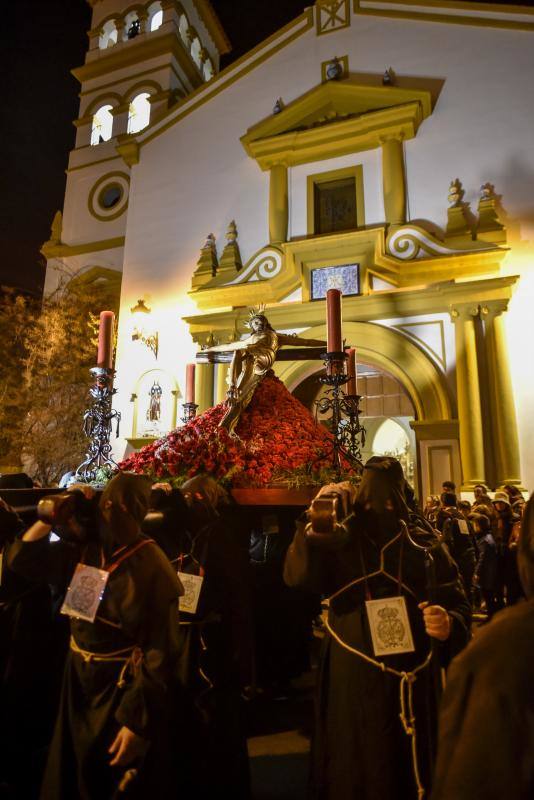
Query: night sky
point(45, 40)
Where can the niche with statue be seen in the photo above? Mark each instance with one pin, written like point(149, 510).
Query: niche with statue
point(155, 400)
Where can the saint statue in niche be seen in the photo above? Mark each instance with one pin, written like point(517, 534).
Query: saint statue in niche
point(252, 358)
point(153, 413)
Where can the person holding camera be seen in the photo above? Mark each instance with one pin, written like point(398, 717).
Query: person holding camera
point(122, 601)
point(397, 613)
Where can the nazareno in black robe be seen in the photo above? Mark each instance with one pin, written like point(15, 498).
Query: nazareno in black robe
point(486, 727)
point(139, 608)
point(360, 750)
point(215, 661)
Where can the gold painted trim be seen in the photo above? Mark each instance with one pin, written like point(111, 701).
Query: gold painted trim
point(97, 30)
point(54, 250)
point(92, 274)
point(342, 138)
point(106, 99)
point(356, 117)
point(218, 84)
point(99, 186)
point(411, 302)
point(128, 149)
point(483, 22)
point(441, 359)
point(140, 85)
point(140, 441)
point(465, 6)
point(435, 429)
point(343, 60)
point(346, 96)
point(435, 274)
point(346, 24)
point(424, 383)
point(312, 181)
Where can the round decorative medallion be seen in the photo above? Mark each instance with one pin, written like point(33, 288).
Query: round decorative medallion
point(108, 198)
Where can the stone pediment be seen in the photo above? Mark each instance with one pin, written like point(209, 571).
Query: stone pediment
point(335, 118)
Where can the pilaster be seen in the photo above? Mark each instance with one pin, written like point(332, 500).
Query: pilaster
point(120, 116)
point(204, 383)
point(394, 180)
point(222, 385)
point(278, 204)
point(503, 415)
point(465, 317)
point(159, 104)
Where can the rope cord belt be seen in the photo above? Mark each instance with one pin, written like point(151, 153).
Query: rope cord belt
point(407, 680)
point(123, 656)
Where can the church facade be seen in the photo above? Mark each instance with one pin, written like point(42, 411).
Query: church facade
point(384, 148)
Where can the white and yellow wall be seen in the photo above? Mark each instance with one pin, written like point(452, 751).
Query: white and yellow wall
point(466, 73)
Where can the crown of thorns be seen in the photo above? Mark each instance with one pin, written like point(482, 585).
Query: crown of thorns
point(256, 311)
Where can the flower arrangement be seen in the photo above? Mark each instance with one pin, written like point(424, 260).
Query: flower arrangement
point(278, 440)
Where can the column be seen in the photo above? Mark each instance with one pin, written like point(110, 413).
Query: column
point(121, 32)
point(278, 204)
point(222, 386)
point(468, 390)
point(159, 104)
point(94, 38)
point(204, 378)
point(120, 119)
point(393, 180)
point(503, 416)
point(142, 16)
point(169, 11)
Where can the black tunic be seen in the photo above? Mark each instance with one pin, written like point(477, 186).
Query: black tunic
point(139, 609)
point(216, 660)
point(486, 730)
point(360, 749)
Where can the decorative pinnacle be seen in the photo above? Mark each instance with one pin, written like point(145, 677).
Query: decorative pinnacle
point(456, 193)
point(231, 233)
point(487, 191)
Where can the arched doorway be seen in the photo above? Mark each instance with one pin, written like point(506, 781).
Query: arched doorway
point(387, 411)
point(389, 353)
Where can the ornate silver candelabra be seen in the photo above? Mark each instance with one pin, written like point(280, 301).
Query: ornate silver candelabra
point(189, 412)
point(97, 425)
point(347, 431)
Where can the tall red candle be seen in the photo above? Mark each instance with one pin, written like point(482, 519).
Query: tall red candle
point(105, 340)
point(190, 383)
point(333, 320)
point(352, 384)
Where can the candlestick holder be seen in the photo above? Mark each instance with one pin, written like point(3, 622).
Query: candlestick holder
point(352, 432)
point(345, 420)
point(97, 425)
point(189, 413)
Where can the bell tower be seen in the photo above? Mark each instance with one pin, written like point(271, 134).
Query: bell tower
point(142, 59)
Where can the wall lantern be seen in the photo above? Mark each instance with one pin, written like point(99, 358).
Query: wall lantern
point(151, 340)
